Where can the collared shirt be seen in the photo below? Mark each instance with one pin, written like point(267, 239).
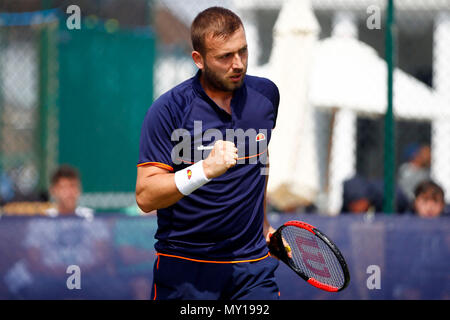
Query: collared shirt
point(222, 220)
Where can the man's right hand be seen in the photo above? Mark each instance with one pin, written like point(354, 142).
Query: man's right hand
point(223, 156)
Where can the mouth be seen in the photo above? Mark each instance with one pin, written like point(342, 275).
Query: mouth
point(236, 78)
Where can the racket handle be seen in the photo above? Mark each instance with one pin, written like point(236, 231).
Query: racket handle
point(276, 245)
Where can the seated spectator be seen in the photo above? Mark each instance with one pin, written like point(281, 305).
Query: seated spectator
point(65, 191)
point(363, 195)
point(429, 200)
point(357, 195)
point(415, 170)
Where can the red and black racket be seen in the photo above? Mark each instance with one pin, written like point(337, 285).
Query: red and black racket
point(311, 254)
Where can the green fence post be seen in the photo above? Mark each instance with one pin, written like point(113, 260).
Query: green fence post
point(389, 122)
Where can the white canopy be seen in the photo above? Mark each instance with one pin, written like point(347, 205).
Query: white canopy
point(349, 74)
point(293, 168)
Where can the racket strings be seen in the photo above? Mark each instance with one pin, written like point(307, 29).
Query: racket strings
point(313, 257)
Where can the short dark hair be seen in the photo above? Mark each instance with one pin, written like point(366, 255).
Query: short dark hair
point(218, 21)
point(64, 171)
point(429, 186)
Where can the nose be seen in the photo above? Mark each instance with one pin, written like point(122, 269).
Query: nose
point(237, 62)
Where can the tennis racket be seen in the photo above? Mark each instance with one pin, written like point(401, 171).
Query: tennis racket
point(311, 254)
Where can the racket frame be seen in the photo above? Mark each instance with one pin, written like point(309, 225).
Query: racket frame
point(277, 249)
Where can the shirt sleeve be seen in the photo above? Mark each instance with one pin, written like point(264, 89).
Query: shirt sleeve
point(273, 94)
point(275, 102)
point(268, 89)
point(155, 146)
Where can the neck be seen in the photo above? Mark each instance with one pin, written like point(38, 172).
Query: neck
point(221, 98)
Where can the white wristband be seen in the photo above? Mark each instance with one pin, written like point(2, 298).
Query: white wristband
point(191, 178)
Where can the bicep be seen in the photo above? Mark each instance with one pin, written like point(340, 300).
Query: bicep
point(146, 172)
point(155, 188)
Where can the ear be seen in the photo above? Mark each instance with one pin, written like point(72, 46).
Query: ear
point(198, 59)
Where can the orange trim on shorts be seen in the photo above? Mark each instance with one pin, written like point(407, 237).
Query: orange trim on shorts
point(156, 164)
point(157, 264)
point(154, 298)
point(210, 261)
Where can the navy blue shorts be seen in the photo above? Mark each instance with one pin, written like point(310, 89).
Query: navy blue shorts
point(181, 279)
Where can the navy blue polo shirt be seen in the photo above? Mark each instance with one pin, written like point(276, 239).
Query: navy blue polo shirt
point(222, 220)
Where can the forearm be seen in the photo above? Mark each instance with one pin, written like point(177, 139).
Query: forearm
point(157, 192)
point(266, 224)
point(156, 188)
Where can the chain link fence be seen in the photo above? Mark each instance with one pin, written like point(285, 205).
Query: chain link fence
point(20, 99)
point(327, 58)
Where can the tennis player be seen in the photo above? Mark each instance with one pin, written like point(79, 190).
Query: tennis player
point(212, 229)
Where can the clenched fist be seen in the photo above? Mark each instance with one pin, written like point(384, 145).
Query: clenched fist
point(223, 156)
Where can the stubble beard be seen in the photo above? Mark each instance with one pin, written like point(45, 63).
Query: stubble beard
point(219, 83)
